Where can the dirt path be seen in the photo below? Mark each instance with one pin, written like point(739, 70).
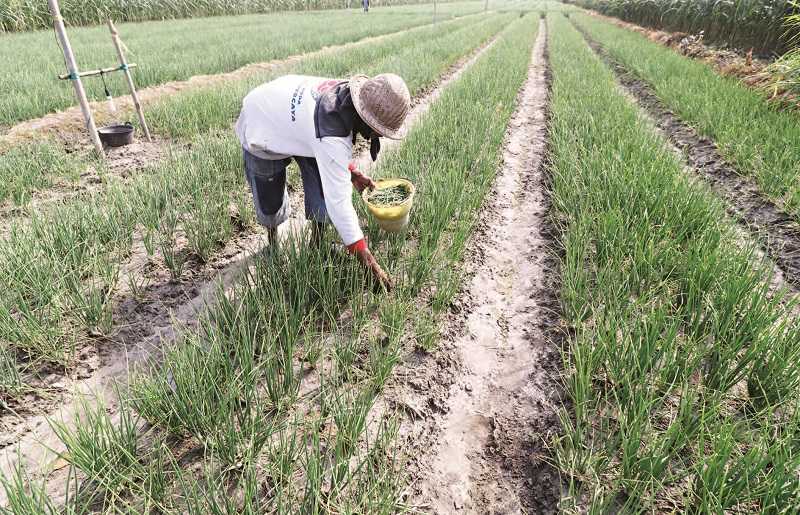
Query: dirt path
point(71, 120)
point(481, 406)
point(150, 324)
point(766, 222)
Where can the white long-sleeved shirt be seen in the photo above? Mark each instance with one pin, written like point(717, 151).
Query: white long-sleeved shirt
point(277, 121)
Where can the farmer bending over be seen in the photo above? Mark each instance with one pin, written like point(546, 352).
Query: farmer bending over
point(315, 121)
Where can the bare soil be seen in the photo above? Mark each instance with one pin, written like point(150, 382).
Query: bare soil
point(767, 222)
point(480, 409)
point(146, 324)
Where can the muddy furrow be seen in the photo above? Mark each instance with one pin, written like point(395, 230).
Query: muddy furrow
point(71, 119)
point(775, 230)
point(480, 409)
point(147, 326)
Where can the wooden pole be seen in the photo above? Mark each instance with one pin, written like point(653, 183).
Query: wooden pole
point(486, 6)
point(126, 68)
point(434, 11)
point(72, 68)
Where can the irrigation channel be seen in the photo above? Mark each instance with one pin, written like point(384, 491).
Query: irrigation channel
point(777, 232)
point(488, 420)
point(497, 406)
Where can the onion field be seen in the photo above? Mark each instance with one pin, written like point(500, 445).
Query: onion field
point(184, 48)
point(595, 303)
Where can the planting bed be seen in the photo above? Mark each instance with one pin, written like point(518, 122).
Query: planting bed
point(778, 232)
point(577, 323)
point(177, 50)
point(749, 132)
point(680, 382)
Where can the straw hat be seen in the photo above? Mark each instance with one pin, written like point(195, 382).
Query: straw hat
point(382, 102)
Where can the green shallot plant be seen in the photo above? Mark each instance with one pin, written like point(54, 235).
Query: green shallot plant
point(237, 384)
point(749, 132)
point(175, 49)
point(679, 394)
point(106, 450)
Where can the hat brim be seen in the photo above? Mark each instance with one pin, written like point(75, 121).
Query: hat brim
point(356, 83)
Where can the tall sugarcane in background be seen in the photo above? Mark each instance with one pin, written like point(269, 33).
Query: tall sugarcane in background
point(756, 24)
point(785, 72)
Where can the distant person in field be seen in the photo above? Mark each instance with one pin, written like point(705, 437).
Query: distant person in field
point(315, 121)
point(366, 5)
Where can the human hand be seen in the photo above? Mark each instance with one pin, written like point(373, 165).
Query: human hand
point(382, 279)
point(359, 180)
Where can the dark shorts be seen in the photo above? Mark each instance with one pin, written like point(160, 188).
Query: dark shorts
point(267, 179)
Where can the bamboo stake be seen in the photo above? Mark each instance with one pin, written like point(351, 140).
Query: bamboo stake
point(99, 71)
point(72, 68)
point(126, 68)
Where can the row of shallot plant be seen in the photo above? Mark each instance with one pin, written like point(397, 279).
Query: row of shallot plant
point(23, 15)
point(26, 169)
point(63, 265)
point(750, 132)
point(197, 111)
point(746, 24)
point(682, 366)
point(177, 50)
point(11, 383)
point(276, 387)
point(31, 168)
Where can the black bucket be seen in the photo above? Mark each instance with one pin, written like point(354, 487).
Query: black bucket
point(117, 135)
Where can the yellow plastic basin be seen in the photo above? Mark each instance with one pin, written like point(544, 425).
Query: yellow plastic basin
point(391, 218)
